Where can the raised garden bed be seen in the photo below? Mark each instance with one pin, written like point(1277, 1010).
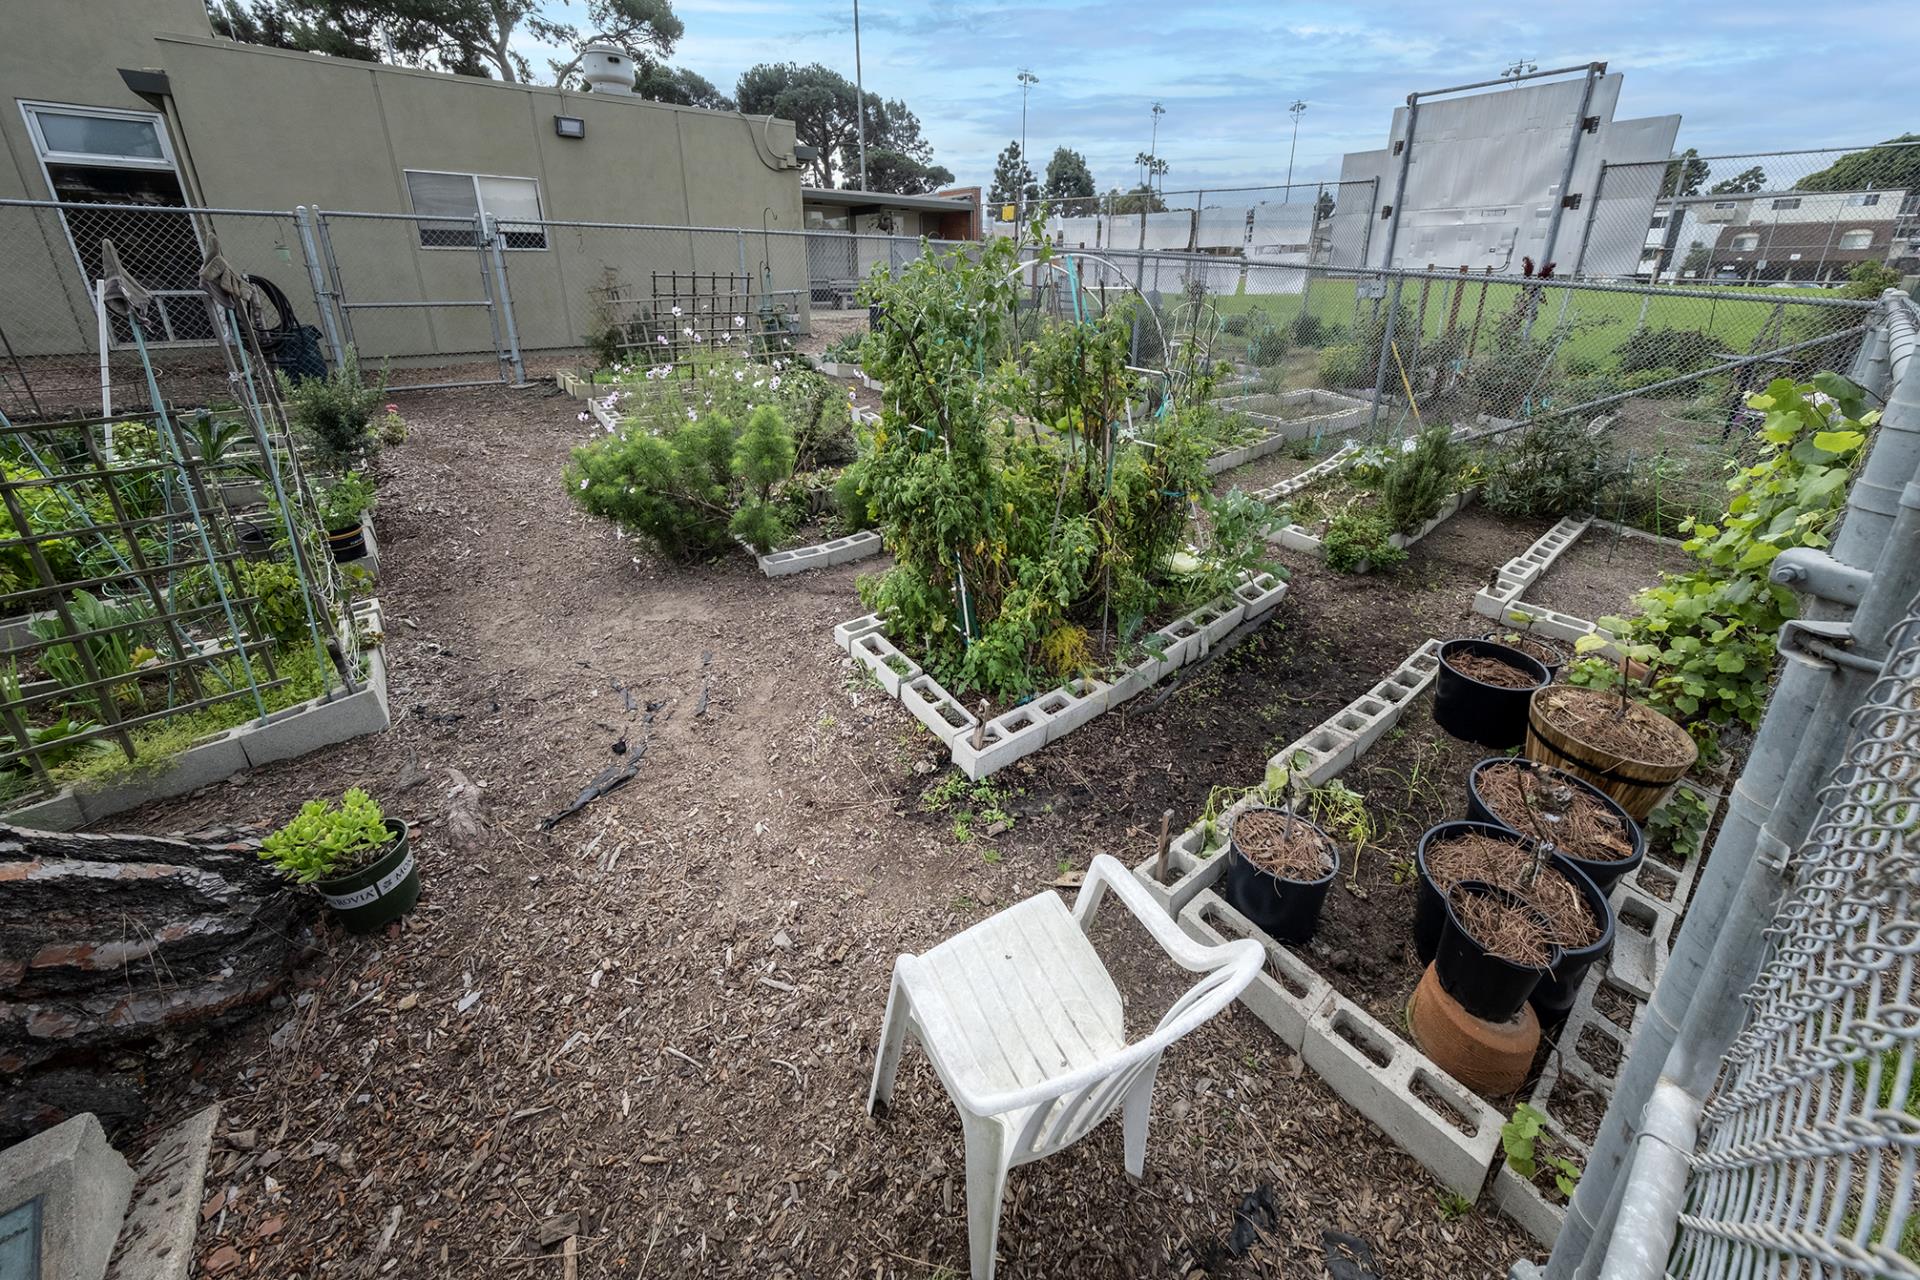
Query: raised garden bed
point(981, 749)
point(1296, 415)
point(1324, 476)
point(1340, 999)
point(1520, 577)
point(335, 716)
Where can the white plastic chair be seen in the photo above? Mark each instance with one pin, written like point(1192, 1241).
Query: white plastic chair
point(1024, 1027)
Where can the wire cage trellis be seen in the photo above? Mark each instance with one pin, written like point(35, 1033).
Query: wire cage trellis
point(165, 576)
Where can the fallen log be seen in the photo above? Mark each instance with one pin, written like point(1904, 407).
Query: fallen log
point(119, 948)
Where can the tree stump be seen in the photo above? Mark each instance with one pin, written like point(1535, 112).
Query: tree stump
point(118, 949)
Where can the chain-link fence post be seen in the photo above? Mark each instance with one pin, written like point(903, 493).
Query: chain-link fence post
point(316, 276)
point(1384, 354)
point(505, 296)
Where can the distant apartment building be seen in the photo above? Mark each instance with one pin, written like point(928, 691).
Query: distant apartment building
point(1787, 237)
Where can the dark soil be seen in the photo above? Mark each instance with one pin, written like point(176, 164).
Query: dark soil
point(1578, 1108)
point(1615, 1005)
point(662, 1013)
point(1262, 472)
point(1601, 573)
point(1591, 716)
point(1489, 670)
point(1601, 1050)
point(1587, 829)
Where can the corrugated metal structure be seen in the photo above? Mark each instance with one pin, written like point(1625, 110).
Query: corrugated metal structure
point(1480, 184)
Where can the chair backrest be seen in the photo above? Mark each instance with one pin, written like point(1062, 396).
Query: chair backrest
point(1066, 1119)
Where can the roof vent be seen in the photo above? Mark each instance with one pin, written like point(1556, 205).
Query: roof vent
point(607, 68)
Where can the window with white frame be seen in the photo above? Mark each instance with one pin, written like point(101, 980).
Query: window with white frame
point(1745, 243)
point(1858, 238)
point(108, 157)
point(1726, 204)
point(1787, 202)
point(461, 198)
point(1865, 200)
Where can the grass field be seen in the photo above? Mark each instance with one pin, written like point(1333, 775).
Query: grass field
point(1603, 320)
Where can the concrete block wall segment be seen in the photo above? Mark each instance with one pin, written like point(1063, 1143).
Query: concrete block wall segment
point(1286, 992)
point(1296, 538)
point(1321, 753)
point(1063, 711)
point(1213, 621)
point(1260, 592)
point(83, 1186)
point(1643, 936)
point(1184, 643)
point(156, 1241)
point(1187, 872)
point(847, 632)
point(198, 766)
point(607, 418)
point(1526, 1206)
point(321, 723)
point(889, 666)
point(1447, 511)
point(1376, 1072)
point(935, 708)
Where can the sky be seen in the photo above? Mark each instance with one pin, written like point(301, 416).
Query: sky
point(1745, 75)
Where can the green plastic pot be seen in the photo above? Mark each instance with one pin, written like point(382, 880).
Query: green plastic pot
point(371, 898)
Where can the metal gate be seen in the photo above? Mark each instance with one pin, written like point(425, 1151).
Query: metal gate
point(423, 291)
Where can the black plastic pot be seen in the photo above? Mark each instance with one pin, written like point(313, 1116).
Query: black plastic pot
point(1485, 985)
point(1553, 998)
point(1553, 668)
point(256, 541)
point(379, 893)
point(349, 543)
point(1602, 873)
point(1484, 713)
point(1288, 911)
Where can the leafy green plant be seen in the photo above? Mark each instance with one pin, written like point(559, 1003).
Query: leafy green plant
point(1552, 470)
point(111, 653)
point(1357, 540)
point(1681, 822)
point(1709, 633)
point(334, 414)
point(343, 502)
point(322, 841)
point(1347, 364)
point(280, 601)
point(1672, 351)
point(1418, 480)
point(1520, 1138)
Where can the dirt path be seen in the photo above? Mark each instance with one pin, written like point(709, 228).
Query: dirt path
point(661, 1015)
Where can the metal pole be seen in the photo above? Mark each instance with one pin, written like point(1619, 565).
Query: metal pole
point(1386, 354)
point(1295, 111)
point(333, 274)
point(316, 277)
point(1573, 157)
point(1593, 212)
point(506, 301)
point(860, 99)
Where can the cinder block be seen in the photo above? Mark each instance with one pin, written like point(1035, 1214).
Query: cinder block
point(998, 748)
point(889, 666)
point(1366, 718)
point(1287, 990)
point(1376, 1071)
point(1327, 751)
point(847, 632)
point(82, 1185)
point(198, 766)
point(1214, 621)
point(1260, 593)
point(1184, 643)
point(1642, 938)
point(1063, 712)
point(1189, 873)
point(58, 812)
point(937, 709)
point(1528, 1208)
point(321, 724)
point(1296, 538)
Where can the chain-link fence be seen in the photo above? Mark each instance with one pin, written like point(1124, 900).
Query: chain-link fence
point(1778, 218)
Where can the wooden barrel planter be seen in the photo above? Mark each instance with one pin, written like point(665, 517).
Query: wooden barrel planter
point(1635, 759)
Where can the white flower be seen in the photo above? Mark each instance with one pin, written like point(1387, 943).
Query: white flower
point(739, 322)
point(583, 417)
point(676, 311)
point(739, 375)
point(660, 338)
point(583, 484)
point(759, 382)
point(776, 384)
point(691, 415)
point(726, 337)
point(687, 331)
point(698, 338)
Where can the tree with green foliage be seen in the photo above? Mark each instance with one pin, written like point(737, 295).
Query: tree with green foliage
point(1068, 177)
point(659, 82)
point(1745, 182)
point(1419, 479)
point(466, 37)
point(1884, 167)
point(826, 110)
point(1685, 175)
point(1138, 200)
point(1012, 178)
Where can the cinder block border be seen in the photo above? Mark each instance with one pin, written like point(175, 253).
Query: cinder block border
point(1024, 729)
point(1296, 537)
point(293, 731)
point(1284, 431)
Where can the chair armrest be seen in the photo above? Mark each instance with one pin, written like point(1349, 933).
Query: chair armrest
point(1109, 872)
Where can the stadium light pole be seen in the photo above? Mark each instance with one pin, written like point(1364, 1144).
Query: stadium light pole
point(859, 98)
point(1153, 145)
point(1296, 111)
